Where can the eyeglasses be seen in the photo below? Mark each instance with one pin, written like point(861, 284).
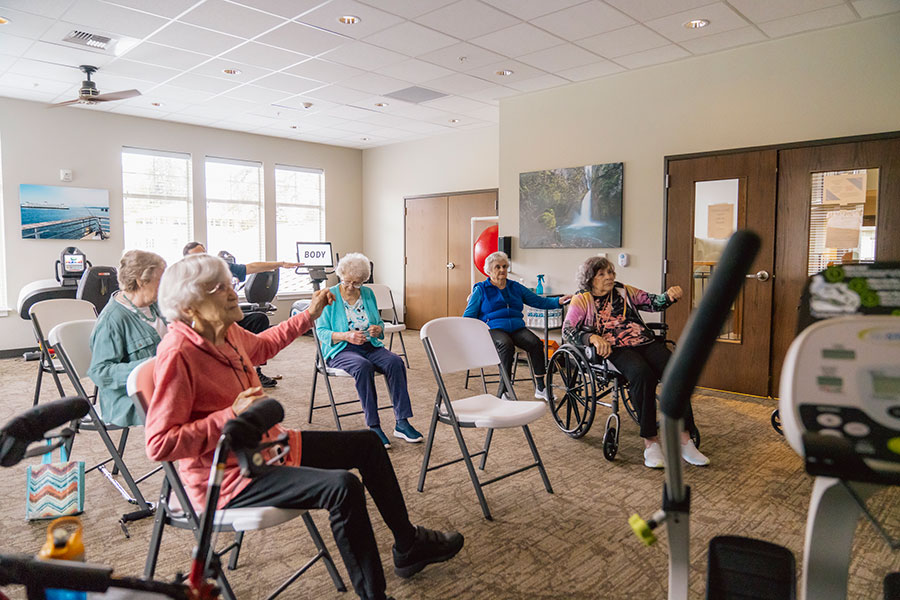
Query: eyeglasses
point(352, 284)
point(219, 287)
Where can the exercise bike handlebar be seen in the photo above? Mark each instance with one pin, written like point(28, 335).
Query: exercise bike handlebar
point(247, 429)
point(32, 425)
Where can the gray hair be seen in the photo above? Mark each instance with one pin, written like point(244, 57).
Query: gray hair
point(187, 282)
point(138, 266)
point(354, 266)
point(589, 269)
point(493, 258)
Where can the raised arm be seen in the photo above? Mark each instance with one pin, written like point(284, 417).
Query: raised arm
point(473, 307)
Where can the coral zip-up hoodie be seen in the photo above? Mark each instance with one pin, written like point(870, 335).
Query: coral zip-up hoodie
point(196, 384)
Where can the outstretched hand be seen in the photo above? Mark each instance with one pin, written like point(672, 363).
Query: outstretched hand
point(320, 299)
point(674, 293)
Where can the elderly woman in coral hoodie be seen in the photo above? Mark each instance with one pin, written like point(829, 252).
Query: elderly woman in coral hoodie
point(204, 376)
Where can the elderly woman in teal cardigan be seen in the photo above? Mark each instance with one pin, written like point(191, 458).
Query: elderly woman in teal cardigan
point(127, 332)
point(350, 331)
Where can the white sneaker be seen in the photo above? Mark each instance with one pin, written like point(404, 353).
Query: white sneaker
point(653, 456)
point(541, 394)
point(691, 455)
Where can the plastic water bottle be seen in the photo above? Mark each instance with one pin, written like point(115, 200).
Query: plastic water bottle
point(64, 544)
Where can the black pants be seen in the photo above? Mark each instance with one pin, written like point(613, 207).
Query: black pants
point(255, 322)
point(324, 481)
point(525, 339)
point(643, 367)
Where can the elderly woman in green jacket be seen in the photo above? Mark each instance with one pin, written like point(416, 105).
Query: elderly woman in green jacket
point(127, 332)
point(350, 331)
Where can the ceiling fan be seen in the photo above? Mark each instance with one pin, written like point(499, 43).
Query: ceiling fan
point(89, 94)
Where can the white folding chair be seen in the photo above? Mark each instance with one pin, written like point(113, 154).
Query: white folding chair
point(46, 315)
point(455, 344)
point(71, 342)
point(384, 300)
point(179, 512)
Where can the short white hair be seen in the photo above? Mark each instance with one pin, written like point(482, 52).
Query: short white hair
point(493, 258)
point(187, 282)
point(354, 265)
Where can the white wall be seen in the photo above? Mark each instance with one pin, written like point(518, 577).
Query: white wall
point(839, 82)
point(455, 162)
point(37, 143)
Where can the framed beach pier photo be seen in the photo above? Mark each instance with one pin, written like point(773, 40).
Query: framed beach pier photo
point(54, 212)
point(578, 207)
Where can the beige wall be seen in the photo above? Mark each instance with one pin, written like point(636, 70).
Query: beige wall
point(838, 82)
point(454, 162)
point(37, 143)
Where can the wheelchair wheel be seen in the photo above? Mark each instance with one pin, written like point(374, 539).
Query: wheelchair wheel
point(626, 401)
point(776, 422)
point(610, 445)
point(571, 392)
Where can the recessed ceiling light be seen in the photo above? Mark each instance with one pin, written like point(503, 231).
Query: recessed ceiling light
point(696, 23)
point(454, 121)
point(462, 58)
point(504, 73)
point(3, 20)
point(231, 71)
point(349, 19)
point(307, 105)
point(381, 104)
point(365, 139)
point(156, 104)
point(293, 127)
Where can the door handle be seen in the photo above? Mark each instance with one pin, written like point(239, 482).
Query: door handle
point(450, 265)
point(760, 276)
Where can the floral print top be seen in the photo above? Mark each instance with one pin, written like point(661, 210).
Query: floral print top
point(613, 316)
point(357, 319)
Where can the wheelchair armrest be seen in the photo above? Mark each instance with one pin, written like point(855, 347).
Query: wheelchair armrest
point(658, 326)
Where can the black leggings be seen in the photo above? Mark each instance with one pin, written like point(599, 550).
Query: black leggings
point(324, 481)
point(506, 343)
point(643, 367)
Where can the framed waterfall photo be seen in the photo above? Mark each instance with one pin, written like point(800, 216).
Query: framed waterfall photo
point(578, 207)
point(63, 213)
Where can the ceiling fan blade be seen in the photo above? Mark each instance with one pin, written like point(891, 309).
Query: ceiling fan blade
point(66, 103)
point(116, 96)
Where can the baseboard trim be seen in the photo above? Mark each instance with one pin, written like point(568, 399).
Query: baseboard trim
point(16, 352)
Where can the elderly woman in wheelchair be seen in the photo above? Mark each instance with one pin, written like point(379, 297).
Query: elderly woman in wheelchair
point(610, 349)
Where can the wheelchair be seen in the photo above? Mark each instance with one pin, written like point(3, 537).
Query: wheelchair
point(577, 383)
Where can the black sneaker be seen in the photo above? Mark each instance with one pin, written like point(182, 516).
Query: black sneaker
point(429, 547)
point(264, 380)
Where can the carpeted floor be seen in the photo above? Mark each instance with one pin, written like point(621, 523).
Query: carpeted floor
point(575, 543)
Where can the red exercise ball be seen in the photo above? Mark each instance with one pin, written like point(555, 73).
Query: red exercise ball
point(485, 245)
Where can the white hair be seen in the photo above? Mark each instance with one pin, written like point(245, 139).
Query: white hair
point(354, 265)
point(187, 282)
point(493, 258)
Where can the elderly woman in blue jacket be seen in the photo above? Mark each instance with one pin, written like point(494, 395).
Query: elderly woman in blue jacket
point(498, 302)
point(351, 332)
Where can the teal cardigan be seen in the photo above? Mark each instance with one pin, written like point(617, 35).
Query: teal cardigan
point(120, 341)
point(334, 319)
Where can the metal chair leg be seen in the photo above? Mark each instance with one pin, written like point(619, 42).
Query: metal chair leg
point(123, 439)
point(312, 395)
point(429, 442)
point(537, 459)
point(472, 475)
point(324, 553)
point(487, 447)
point(233, 558)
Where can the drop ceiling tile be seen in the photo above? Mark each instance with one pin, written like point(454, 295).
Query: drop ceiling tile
point(195, 39)
point(530, 9)
point(423, 127)
point(645, 10)
point(520, 72)
point(371, 19)
point(583, 20)
point(33, 94)
point(252, 93)
point(827, 17)
point(206, 111)
point(230, 106)
point(592, 71)
point(130, 68)
point(337, 94)
point(458, 83)
point(27, 82)
point(488, 113)
point(112, 83)
point(418, 112)
point(493, 94)
point(24, 25)
point(414, 70)
point(182, 117)
point(559, 58)
point(760, 11)
point(348, 113)
point(65, 55)
point(379, 120)
point(298, 103)
point(303, 39)
point(116, 19)
point(364, 56)
point(163, 8)
point(449, 57)
point(283, 8)
point(261, 55)
point(254, 120)
point(288, 83)
point(408, 9)
point(722, 41)
point(319, 121)
point(167, 105)
point(231, 18)
point(72, 75)
point(216, 68)
point(164, 56)
point(652, 57)
point(620, 42)
point(411, 39)
point(213, 85)
point(721, 18)
point(517, 40)
point(874, 8)
point(357, 126)
point(467, 19)
point(180, 94)
point(456, 104)
point(370, 102)
point(323, 70)
point(13, 45)
point(538, 83)
point(6, 62)
point(46, 8)
point(374, 83)
point(135, 111)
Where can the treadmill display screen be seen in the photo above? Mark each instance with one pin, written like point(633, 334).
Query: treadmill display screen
point(74, 263)
point(884, 386)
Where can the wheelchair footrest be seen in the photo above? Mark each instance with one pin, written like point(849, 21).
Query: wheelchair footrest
point(742, 567)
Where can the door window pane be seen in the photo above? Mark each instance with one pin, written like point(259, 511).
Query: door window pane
point(842, 218)
point(299, 217)
point(234, 209)
point(718, 212)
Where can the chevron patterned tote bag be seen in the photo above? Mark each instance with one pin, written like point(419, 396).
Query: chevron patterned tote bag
point(54, 489)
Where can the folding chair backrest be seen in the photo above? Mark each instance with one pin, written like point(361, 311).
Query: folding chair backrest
point(47, 314)
point(460, 343)
point(383, 299)
point(140, 386)
point(73, 339)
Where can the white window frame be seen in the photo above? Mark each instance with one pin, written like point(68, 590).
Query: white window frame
point(4, 301)
point(260, 204)
point(307, 289)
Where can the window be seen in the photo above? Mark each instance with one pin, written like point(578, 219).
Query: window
point(3, 301)
point(156, 201)
point(299, 217)
point(234, 208)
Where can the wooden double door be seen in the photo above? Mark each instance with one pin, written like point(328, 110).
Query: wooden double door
point(439, 253)
point(778, 193)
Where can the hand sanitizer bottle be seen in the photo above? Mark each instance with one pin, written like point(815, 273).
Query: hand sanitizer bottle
point(540, 285)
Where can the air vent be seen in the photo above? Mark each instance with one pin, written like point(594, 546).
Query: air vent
point(415, 95)
point(91, 40)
